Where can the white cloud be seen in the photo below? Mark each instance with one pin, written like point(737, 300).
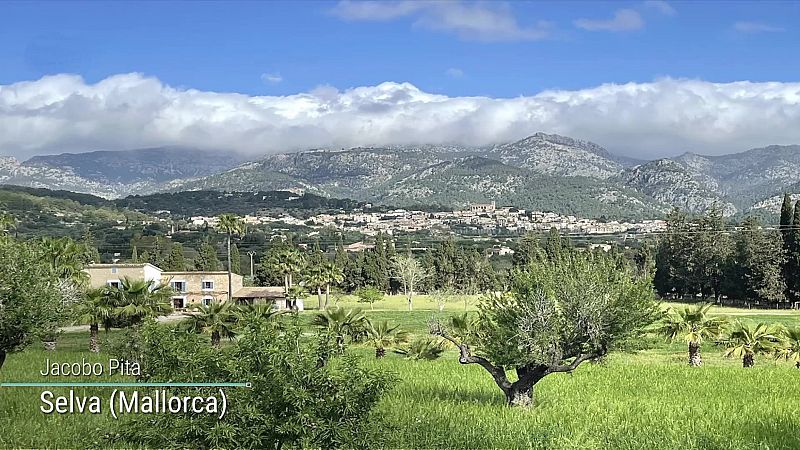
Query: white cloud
point(479, 21)
point(661, 6)
point(668, 116)
point(623, 20)
point(272, 78)
point(756, 27)
point(454, 72)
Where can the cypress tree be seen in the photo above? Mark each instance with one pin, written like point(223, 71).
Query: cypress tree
point(134, 255)
point(792, 266)
point(236, 260)
point(786, 219)
point(176, 261)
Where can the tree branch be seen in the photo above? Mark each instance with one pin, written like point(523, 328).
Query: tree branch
point(466, 357)
point(575, 363)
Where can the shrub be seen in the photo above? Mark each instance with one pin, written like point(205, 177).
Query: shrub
point(301, 395)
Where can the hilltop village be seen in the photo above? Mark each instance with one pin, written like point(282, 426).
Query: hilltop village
point(478, 219)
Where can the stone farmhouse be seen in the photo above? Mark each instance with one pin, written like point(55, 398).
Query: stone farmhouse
point(190, 288)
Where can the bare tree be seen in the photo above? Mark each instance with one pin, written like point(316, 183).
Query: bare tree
point(410, 272)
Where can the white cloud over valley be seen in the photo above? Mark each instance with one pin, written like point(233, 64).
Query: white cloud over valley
point(665, 117)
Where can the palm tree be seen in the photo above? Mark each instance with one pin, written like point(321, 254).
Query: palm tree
point(333, 275)
point(65, 258)
point(315, 278)
point(747, 340)
point(257, 312)
point(422, 348)
point(790, 345)
point(136, 300)
point(217, 318)
point(230, 224)
point(340, 322)
point(287, 261)
point(381, 335)
point(95, 309)
point(692, 324)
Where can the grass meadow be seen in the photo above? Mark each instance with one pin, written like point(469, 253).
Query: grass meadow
point(644, 400)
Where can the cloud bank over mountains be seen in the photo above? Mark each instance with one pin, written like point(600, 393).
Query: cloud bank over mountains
point(62, 113)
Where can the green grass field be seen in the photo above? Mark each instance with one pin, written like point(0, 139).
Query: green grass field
point(645, 400)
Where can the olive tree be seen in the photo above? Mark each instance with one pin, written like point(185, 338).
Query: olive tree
point(30, 296)
point(558, 314)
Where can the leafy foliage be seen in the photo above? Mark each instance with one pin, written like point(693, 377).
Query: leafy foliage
point(422, 348)
point(31, 298)
point(747, 340)
point(381, 335)
point(297, 400)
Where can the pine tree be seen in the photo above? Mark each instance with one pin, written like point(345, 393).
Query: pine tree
point(236, 260)
point(712, 248)
point(92, 255)
point(176, 261)
point(553, 245)
point(757, 264)
point(674, 260)
point(145, 258)
point(157, 256)
point(527, 251)
point(207, 260)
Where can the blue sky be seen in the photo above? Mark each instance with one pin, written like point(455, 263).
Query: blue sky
point(645, 79)
point(239, 47)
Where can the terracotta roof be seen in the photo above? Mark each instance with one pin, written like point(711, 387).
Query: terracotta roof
point(259, 292)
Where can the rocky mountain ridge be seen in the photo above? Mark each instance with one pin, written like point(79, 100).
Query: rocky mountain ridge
point(542, 171)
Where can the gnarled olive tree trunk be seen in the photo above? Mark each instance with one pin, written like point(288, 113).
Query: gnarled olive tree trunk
point(520, 392)
point(748, 360)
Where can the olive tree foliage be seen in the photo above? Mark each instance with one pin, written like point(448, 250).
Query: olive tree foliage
point(559, 312)
point(302, 394)
point(31, 298)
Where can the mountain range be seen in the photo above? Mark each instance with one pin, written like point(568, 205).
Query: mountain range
point(543, 171)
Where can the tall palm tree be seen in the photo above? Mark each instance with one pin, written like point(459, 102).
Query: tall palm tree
point(315, 278)
point(340, 322)
point(95, 309)
point(136, 300)
point(230, 224)
point(692, 324)
point(288, 262)
point(333, 275)
point(218, 319)
point(381, 335)
point(748, 340)
point(790, 345)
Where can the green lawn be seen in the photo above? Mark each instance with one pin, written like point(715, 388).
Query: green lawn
point(645, 400)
